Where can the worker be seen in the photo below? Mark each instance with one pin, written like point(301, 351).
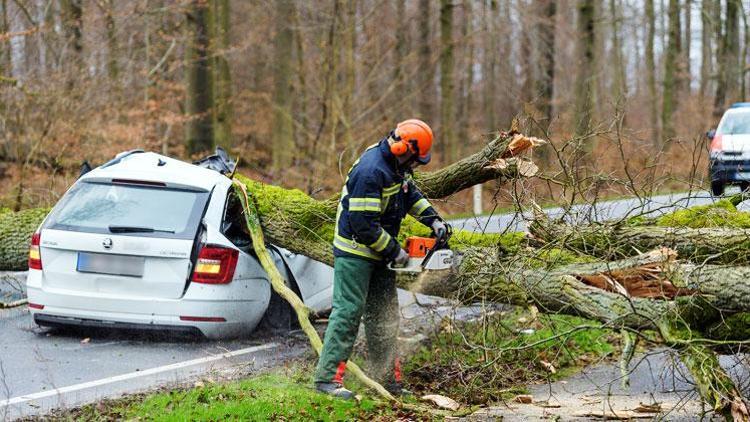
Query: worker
point(377, 195)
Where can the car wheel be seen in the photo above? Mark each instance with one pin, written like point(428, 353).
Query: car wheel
point(717, 187)
point(279, 317)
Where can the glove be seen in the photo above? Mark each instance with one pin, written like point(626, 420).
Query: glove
point(401, 259)
point(440, 229)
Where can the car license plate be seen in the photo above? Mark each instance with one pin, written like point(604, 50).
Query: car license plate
point(131, 266)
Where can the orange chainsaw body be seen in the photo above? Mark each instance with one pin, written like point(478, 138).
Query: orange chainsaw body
point(417, 247)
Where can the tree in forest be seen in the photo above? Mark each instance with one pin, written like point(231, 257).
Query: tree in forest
point(728, 62)
point(426, 74)
point(222, 80)
point(547, 13)
point(653, 109)
point(447, 86)
point(282, 139)
point(199, 96)
point(585, 83)
point(706, 47)
point(672, 78)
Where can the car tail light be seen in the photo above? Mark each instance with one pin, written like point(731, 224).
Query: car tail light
point(215, 265)
point(716, 143)
point(36, 306)
point(35, 255)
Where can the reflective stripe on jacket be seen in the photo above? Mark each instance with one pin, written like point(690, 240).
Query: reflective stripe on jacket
point(374, 200)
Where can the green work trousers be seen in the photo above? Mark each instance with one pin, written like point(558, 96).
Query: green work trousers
point(361, 288)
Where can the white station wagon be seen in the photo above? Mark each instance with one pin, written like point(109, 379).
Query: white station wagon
point(149, 242)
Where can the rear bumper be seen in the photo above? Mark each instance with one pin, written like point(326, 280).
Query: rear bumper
point(59, 321)
point(729, 171)
point(241, 304)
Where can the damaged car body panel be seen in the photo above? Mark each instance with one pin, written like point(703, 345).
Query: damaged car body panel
point(151, 242)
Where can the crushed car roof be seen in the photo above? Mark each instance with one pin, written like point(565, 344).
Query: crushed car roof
point(152, 167)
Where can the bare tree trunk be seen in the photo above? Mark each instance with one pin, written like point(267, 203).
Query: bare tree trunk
point(282, 136)
point(447, 88)
point(467, 82)
point(547, 10)
point(706, 49)
point(400, 81)
point(222, 78)
point(685, 61)
point(489, 68)
point(199, 97)
point(671, 82)
point(619, 82)
point(72, 22)
point(6, 56)
point(426, 67)
point(651, 74)
point(585, 83)
point(347, 91)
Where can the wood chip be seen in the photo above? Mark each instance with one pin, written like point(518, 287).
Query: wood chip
point(523, 398)
point(86, 340)
point(548, 366)
point(442, 402)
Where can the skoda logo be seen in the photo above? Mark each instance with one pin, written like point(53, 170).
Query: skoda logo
point(107, 243)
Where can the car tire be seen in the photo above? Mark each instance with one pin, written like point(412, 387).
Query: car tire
point(717, 187)
point(279, 317)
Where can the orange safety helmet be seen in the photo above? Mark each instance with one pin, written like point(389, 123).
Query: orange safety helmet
point(413, 135)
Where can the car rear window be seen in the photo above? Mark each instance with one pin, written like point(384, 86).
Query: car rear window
point(97, 207)
point(735, 124)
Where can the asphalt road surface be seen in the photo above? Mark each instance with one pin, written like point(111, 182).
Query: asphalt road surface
point(600, 211)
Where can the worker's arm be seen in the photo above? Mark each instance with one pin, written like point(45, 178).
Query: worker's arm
point(364, 215)
point(419, 207)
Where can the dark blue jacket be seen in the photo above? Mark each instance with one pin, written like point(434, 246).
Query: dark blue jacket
point(374, 200)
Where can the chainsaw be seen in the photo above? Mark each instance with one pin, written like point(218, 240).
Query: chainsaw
point(427, 253)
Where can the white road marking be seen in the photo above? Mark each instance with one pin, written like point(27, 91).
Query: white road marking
point(132, 375)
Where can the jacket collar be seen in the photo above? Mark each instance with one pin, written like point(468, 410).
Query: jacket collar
point(388, 156)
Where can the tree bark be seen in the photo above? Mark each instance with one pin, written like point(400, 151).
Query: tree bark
point(710, 245)
point(706, 50)
point(282, 138)
point(447, 88)
point(425, 65)
point(222, 79)
point(671, 82)
point(651, 74)
point(585, 83)
point(199, 96)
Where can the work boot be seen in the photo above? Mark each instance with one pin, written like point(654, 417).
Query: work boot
point(334, 389)
point(397, 389)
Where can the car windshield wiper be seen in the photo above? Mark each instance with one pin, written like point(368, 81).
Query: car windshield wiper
point(136, 229)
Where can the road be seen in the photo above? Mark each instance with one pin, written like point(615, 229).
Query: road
point(601, 211)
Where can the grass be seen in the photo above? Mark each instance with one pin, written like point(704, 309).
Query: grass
point(284, 394)
point(492, 360)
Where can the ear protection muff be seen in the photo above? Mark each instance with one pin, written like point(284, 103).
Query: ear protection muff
point(401, 147)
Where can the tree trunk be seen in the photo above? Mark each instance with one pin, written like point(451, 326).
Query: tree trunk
point(426, 73)
point(222, 79)
point(547, 11)
point(585, 83)
point(685, 60)
point(651, 74)
point(489, 68)
point(706, 50)
point(447, 88)
point(619, 82)
point(282, 138)
point(710, 245)
point(467, 82)
point(199, 97)
point(671, 82)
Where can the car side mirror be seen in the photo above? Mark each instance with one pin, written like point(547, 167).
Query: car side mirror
point(710, 134)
